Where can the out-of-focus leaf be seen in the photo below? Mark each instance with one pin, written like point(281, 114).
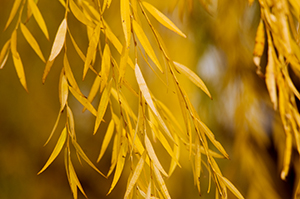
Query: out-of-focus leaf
point(145, 43)
point(161, 182)
point(153, 156)
point(120, 164)
point(176, 150)
point(192, 76)
point(57, 46)
point(83, 101)
point(105, 67)
point(106, 139)
point(148, 194)
point(13, 12)
point(259, 44)
point(125, 17)
point(123, 64)
point(17, 60)
point(4, 54)
point(91, 49)
point(60, 143)
point(103, 105)
point(162, 18)
point(84, 157)
point(79, 14)
point(38, 17)
point(198, 164)
point(137, 171)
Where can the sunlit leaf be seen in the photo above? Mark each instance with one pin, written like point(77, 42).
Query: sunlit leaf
point(13, 12)
point(38, 17)
point(81, 55)
point(123, 64)
point(145, 43)
point(83, 101)
point(125, 17)
point(161, 182)
point(4, 54)
point(135, 175)
point(94, 90)
point(192, 76)
point(60, 143)
point(162, 18)
point(57, 46)
point(64, 91)
point(69, 74)
point(102, 106)
point(259, 43)
point(232, 188)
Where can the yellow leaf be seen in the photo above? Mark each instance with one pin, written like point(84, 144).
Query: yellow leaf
point(4, 54)
point(146, 93)
point(145, 43)
point(81, 55)
point(54, 127)
point(198, 163)
point(192, 76)
point(174, 161)
point(106, 139)
point(123, 64)
point(153, 156)
point(60, 143)
point(125, 17)
point(70, 118)
point(56, 47)
point(84, 157)
point(13, 12)
point(64, 91)
point(162, 18)
point(59, 40)
point(259, 43)
point(232, 188)
point(94, 90)
point(161, 182)
point(136, 174)
point(83, 101)
point(38, 17)
point(31, 40)
point(287, 155)
point(102, 106)
point(148, 194)
point(114, 155)
point(105, 67)
point(120, 164)
point(69, 74)
point(79, 14)
point(91, 49)
point(17, 60)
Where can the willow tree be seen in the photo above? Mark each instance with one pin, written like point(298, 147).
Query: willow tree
point(118, 67)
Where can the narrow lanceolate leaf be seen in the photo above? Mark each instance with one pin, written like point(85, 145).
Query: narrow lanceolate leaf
point(259, 43)
point(136, 174)
point(17, 60)
point(94, 90)
point(69, 74)
point(162, 18)
point(79, 14)
point(120, 164)
point(60, 143)
point(64, 91)
point(105, 67)
point(57, 46)
point(54, 128)
point(192, 76)
point(91, 49)
point(153, 156)
point(31, 40)
point(125, 17)
point(174, 162)
point(146, 93)
point(38, 17)
point(123, 64)
point(83, 101)
point(102, 106)
point(13, 12)
point(232, 188)
point(106, 139)
point(81, 55)
point(84, 157)
point(145, 43)
point(161, 182)
point(4, 54)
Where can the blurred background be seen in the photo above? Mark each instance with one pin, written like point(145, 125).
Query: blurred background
point(218, 47)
